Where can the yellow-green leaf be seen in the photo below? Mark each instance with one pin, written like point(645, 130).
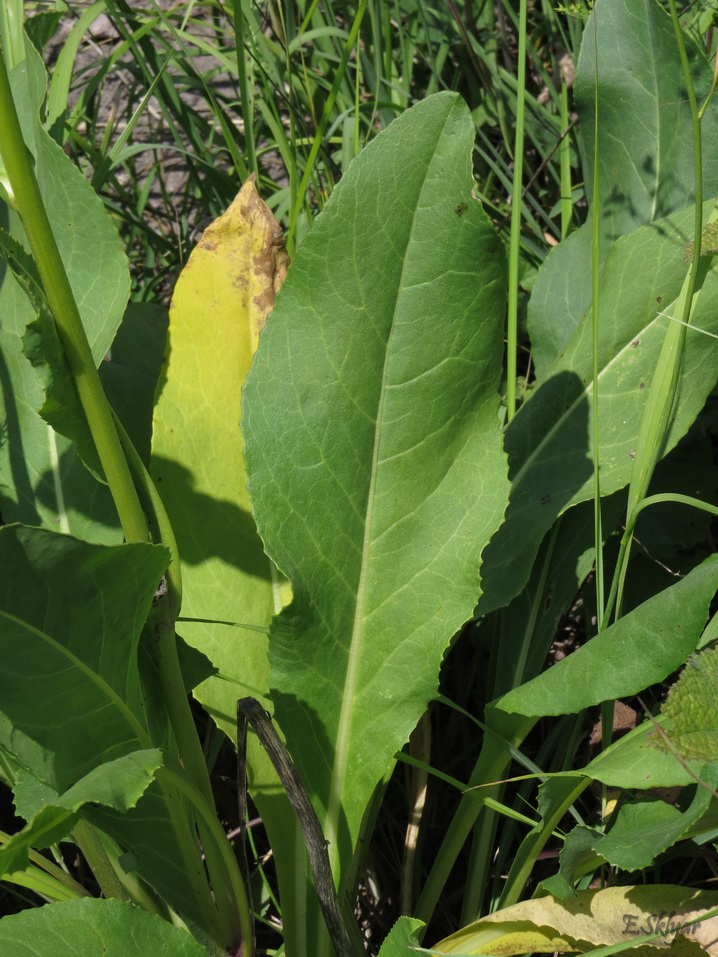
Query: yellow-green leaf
point(220, 303)
point(612, 916)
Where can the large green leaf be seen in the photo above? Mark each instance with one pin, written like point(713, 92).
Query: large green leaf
point(108, 927)
point(41, 479)
point(645, 133)
point(550, 440)
point(646, 156)
point(638, 650)
point(374, 451)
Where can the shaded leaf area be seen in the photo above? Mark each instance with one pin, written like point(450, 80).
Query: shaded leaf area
point(549, 441)
point(672, 536)
point(43, 481)
point(72, 616)
point(646, 168)
point(131, 368)
point(691, 712)
point(72, 698)
point(576, 859)
point(529, 622)
point(528, 626)
point(592, 918)
point(162, 849)
point(118, 784)
point(640, 649)
point(110, 927)
point(373, 450)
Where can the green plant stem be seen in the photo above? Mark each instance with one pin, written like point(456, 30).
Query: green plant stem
point(19, 168)
point(12, 17)
point(218, 924)
point(232, 889)
point(52, 870)
point(509, 731)
point(515, 238)
point(164, 649)
point(565, 160)
point(595, 294)
point(158, 520)
point(164, 643)
point(527, 855)
point(245, 100)
point(85, 836)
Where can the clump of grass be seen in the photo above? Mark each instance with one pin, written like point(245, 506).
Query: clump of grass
point(170, 107)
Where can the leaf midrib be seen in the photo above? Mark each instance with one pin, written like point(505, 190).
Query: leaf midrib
point(338, 777)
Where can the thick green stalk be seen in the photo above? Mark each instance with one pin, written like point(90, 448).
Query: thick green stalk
point(158, 520)
point(19, 168)
point(85, 836)
point(12, 16)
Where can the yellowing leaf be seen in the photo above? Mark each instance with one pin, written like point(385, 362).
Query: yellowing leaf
point(219, 306)
point(615, 915)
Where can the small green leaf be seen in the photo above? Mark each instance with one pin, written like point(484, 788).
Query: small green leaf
point(638, 650)
point(577, 857)
point(402, 939)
